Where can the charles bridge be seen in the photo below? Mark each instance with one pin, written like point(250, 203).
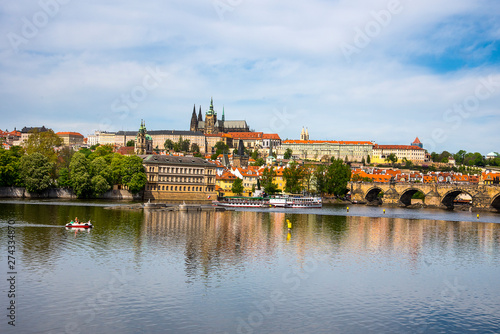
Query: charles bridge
point(439, 195)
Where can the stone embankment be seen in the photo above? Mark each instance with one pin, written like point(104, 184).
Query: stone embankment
point(63, 193)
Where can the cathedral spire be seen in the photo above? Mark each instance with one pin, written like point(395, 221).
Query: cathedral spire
point(223, 117)
point(194, 121)
point(200, 118)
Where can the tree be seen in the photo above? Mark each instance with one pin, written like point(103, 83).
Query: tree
point(137, 183)
point(460, 156)
point(10, 161)
point(195, 148)
point(63, 180)
point(64, 157)
point(392, 158)
point(36, 172)
point(338, 175)
point(268, 175)
point(169, 145)
point(320, 179)
point(288, 154)
point(255, 154)
point(368, 159)
point(104, 151)
point(131, 143)
point(99, 185)
point(258, 162)
point(294, 177)
point(93, 147)
point(237, 187)
point(133, 174)
point(80, 175)
point(43, 143)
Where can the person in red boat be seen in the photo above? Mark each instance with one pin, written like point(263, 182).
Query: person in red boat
point(76, 220)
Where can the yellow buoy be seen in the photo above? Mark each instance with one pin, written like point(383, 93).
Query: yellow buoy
point(384, 211)
point(347, 209)
point(289, 224)
point(478, 216)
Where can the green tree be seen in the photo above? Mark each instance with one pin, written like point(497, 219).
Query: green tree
point(85, 151)
point(133, 174)
point(35, 172)
point(131, 143)
point(10, 161)
point(268, 175)
point(64, 180)
point(368, 159)
point(80, 176)
point(137, 183)
point(169, 144)
point(255, 154)
point(258, 162)
point(195, 148)
point(113, 171)
point(99, 185)
point(337, 176)
point(459, 156)
point(105, 151)
point(288, 154)
point(320, 179)
point(294, 177)
point(237, 187)
point(93, 147)
point(392, 158)
point(43, 143)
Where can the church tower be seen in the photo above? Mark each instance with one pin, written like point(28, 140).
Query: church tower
point(307, 134)
point(143, 141)
point(303, 134)
point(194, 120)
point(200, 117)
point(211, 119)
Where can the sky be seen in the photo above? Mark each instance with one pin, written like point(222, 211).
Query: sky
point(382, 71)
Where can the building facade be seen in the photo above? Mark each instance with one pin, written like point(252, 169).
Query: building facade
point(73, 139)
point(317, 149)
point(411, 153)
point(179, 178)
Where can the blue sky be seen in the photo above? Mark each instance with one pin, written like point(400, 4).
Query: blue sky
point(386, 71)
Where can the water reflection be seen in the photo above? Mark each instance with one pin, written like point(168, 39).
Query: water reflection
point(202, 272)
point(213, 241)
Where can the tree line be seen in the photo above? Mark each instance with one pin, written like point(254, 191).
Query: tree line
point(89, 173)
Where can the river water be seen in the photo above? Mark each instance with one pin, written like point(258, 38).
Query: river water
point(362, 271)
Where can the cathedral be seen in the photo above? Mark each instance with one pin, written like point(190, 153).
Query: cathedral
point(211, 125)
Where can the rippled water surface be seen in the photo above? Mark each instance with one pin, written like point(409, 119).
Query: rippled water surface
point(362, 271)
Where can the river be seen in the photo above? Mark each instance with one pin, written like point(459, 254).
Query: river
point(335, 271)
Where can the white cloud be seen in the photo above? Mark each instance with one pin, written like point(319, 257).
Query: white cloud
point(262, 58)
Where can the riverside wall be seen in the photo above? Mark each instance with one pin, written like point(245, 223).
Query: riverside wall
point(63, 193)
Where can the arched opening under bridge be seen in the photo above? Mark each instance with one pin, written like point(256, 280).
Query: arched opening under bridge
point(449, 198)
point(409, 194)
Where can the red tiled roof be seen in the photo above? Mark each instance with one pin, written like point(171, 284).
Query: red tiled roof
point(245, 135)
point(70, 133)
point(417, 141)
point(271, 136)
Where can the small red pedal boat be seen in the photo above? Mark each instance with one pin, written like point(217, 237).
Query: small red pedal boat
point(80, 225)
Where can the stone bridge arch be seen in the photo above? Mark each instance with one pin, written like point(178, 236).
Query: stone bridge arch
point(449, 197)
point(495, 203)
point(407, 194)
point(372, 193)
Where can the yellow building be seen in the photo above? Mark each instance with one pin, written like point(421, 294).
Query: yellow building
point(412, 153)
point(224, 183)
point(71, 138)
point(179, 178)
point(316, 149)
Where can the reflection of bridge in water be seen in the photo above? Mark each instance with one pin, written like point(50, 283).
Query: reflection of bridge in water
point(436, 195)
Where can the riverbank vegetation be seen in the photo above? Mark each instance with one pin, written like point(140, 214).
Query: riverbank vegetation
point(89, 173)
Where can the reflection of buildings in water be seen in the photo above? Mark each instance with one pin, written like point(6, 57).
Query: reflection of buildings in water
point(211, 241)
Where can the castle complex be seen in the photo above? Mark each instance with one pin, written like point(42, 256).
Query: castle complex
point(211, 125)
